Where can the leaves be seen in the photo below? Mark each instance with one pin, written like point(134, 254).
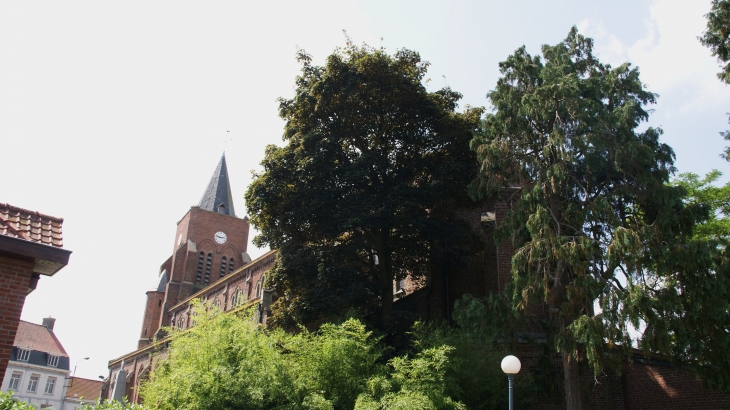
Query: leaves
point(228, 361)
point(717, 36)
point(373, 166)
point(601, 237)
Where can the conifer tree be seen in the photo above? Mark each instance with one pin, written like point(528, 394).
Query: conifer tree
point(600, 236)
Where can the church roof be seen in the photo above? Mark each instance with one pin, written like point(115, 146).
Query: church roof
point(217, 197)
point(38, 337)
point(163, 281)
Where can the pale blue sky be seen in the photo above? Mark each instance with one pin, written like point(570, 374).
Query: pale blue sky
point(112, 115)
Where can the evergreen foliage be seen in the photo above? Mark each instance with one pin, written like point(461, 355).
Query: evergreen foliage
point(593, 218)
point(365, 187)
point(717, 36)
point(717, 39)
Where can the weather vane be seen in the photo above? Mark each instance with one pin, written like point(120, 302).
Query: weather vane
point(226, 138)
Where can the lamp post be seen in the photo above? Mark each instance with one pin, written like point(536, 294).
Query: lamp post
point(511, 366)
point(77, 363)
point(70, 383)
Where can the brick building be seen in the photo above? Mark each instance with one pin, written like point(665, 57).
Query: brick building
point(31, 245)
point(208, 262)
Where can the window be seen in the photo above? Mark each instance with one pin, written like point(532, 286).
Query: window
point(230, 265)
point(236, 298)
point(14, 381)
point(23, 355)
point(180, 322)
point(201, 259)
point(223, 266)
point(52, 360)
point(216, 305)
point(33, 383)
point(50, 384)
point(207, 267)
point(258, 288)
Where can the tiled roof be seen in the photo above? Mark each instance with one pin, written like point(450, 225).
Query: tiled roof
point(38, 337)
point(30, 225)
point(88, 389)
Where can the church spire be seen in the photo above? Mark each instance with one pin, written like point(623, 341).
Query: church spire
point(217, 197)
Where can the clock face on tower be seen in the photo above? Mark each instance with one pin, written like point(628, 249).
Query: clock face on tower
point(220, 237)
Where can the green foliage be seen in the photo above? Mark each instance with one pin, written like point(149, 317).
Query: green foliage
point(414, 383)
point(717, 39)
point(373, 165)
point(701, 334)
point(8, 403)
point(716, 200)
point(228, 361)
point(111, 405)
point(592, 218)
point(225, 361)
point(717, 36)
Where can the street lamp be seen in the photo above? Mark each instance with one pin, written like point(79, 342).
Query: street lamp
point(511, 366)
point(77, 363)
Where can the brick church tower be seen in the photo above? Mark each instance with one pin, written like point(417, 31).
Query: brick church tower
point(210, 243)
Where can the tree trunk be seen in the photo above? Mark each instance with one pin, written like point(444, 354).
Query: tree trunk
point(571, 373)
point(386, 310)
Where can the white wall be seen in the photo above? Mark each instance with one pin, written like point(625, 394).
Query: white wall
point(40, 397)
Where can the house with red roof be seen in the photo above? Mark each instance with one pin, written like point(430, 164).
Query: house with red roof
point(38, 368)
point(81, 391)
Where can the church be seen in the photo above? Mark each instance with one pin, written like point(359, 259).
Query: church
point(208, 262)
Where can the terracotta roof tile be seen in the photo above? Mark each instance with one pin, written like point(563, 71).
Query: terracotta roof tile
point(31, 226)
point(88, 389)
point(38, 337)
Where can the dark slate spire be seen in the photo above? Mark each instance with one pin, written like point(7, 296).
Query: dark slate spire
point(217, 197)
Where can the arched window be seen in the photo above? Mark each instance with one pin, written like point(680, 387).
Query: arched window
point(236, 298)
point(215, 305)
point(259, 285)
point(223, 266)
point(200, 267)
point(208, 263)
point(180, 322)
point(230, 265)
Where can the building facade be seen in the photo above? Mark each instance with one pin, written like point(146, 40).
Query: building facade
point(39, 366)
point(209, 262)
point(31, 245)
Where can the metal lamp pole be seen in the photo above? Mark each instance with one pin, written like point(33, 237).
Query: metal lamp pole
point(71, 382)
point(511, 366)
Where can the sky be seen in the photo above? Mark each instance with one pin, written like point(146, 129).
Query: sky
point(113, 115)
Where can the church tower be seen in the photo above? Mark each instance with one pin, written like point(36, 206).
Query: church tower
point(210, 242)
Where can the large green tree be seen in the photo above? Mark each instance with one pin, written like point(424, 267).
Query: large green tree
point(363, 192)
point(701, 332)
point(717, 36)
point(594, 219)
point(717, 39)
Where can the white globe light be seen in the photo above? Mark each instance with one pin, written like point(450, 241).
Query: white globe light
point(511, 365)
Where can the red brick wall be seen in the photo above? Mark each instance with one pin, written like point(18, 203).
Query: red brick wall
point(662, 387)
point(15, 276)
point(151, 320)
